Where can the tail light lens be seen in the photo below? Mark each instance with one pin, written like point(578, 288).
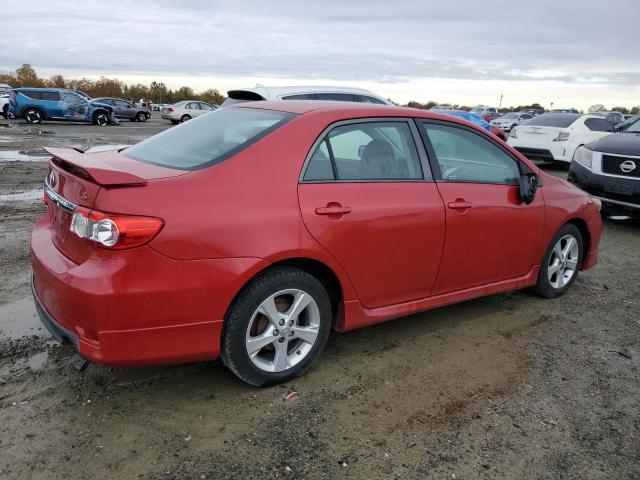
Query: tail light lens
point(170, 109)
point(115, 232)
point(562, 137)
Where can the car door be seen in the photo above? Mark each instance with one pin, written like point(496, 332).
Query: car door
point(193, 109)
point(123, 109)
point(491, 235)
point(367, 197)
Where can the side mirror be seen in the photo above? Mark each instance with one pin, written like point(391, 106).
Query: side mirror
point(529, 183)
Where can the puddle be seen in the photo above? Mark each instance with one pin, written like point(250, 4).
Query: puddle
point(28, 196)
point(19, 319)
point(38, 361)
point(23, 156)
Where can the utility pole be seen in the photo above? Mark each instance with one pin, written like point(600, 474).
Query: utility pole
point(500, 106)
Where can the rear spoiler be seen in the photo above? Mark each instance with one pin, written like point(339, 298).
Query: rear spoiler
point(90, 165)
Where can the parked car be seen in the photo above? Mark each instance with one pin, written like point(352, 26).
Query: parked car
point(609, 169)
point(556, 136)
point(469, 117)
point(292, 219)
point(4, 104)
point(36, 105)
point(486, 113)
point(4, 88)
point(442, 107)
point(186, 110)
point(510, 120)
point(125, 109)
point(614, 117)
point(564, 110)
point(341, 94)
point(534, 112)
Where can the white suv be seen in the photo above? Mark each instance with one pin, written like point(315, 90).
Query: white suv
point(341, 94)
point(4, 104)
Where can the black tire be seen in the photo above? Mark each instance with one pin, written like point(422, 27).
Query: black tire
point(5, 111)
point(175, 122)
point(185, 118)
point(544, 287)
point(133, 119)
point(33, 116)
point(234, 351)
point(141, 117)
point(101, 118)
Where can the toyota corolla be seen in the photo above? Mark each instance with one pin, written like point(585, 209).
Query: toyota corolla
point(249, 233)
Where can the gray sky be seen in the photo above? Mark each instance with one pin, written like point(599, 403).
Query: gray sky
point(572, 53)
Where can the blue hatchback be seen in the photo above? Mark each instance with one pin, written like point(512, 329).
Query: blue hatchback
point(36, 105)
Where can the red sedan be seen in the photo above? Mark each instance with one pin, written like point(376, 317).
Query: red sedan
point(250, 232)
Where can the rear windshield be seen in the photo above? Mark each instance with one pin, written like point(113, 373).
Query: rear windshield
point(559, 120)
point(209, 139)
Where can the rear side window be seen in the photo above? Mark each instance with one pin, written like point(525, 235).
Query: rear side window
point(371, 151)
point(598, 125)
point(367, 99)
point(209, 139)
point(559, 120)
point(301, 96)
point(51, 96)
point(32, 94)
point(340, 97)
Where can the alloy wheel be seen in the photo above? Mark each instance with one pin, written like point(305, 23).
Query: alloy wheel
point(283, 330)
point(563, 261)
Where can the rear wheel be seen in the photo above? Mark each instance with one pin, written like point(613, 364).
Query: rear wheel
point(276, 327)
point(561, 262)
point(33, 116)
point(141, 117)
point(5, 111)
point(185, 118)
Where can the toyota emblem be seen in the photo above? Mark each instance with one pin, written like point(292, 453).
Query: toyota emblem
point(53, 179)
point(628, 166)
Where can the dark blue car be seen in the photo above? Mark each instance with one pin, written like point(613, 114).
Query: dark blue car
point(36, 105)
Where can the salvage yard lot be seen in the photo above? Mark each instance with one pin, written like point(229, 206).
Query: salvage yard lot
point(509, 386)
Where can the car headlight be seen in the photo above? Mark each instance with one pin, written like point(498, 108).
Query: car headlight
point(584, 156)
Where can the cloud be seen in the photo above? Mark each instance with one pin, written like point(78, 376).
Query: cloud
point(374, 41)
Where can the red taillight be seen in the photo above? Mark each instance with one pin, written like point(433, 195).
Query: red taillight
point(115, 232)
point(170, 109)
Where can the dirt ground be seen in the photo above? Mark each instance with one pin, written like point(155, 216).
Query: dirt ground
point(506, 387)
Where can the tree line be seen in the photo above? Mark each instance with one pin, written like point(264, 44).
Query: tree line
point(156, 92)
point(598, 107)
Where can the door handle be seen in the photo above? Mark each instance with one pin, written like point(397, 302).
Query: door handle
point(333, 209)
point(459, 204)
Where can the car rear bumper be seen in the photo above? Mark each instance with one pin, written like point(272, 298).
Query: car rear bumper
point(134, 307)
point(547, 152)
point(617, 193)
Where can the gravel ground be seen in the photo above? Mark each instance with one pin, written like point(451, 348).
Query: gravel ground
point(509, 386)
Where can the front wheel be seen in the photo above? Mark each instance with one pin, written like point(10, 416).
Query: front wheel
point(101, 119)
point(141, 117)
point(561, 262)
point(276, 327)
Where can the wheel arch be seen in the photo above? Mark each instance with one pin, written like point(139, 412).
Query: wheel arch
point(314, 267)
point(34, 107)
point(581, 225)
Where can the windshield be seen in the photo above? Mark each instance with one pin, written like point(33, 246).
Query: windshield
point(209, 139)
point(510, 115)
point(477, 110)
point(558, 120)
point(634, 127)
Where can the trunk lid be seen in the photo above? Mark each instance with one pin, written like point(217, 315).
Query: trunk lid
point(539, 134)
point(74, 180)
